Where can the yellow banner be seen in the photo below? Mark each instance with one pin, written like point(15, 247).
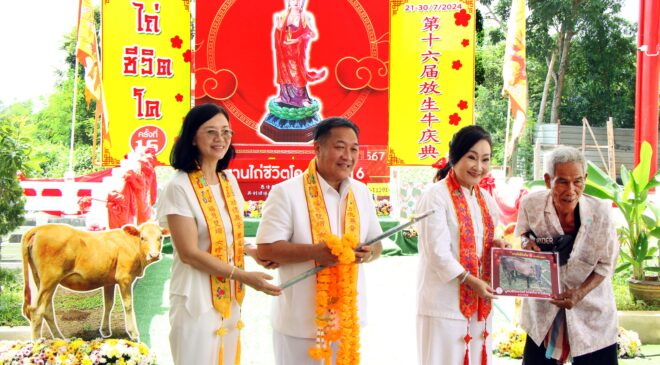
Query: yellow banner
point(146, 75)
point(431, 77)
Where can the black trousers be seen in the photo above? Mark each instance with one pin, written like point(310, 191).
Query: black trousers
point(535, 355)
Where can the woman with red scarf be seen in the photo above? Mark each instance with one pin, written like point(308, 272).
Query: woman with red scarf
point(454, 294)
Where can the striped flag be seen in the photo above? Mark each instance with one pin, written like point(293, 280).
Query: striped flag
point(515, 72)
point(87, 51)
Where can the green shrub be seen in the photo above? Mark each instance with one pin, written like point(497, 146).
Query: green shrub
point(624, 300)
point(11, 300)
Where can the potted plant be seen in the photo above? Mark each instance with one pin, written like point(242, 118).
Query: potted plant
point(639, 252)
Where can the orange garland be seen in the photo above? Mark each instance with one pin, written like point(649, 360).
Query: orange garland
point(336, 305)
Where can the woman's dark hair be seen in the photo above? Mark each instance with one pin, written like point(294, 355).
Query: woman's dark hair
point(184, 155)
point(326, 125)
point(461, 143)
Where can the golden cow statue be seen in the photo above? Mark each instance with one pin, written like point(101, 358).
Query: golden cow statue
point(83, 261)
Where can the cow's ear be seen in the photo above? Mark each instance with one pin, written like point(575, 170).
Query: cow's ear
point(510, 228)
point(131, 229)
point(165, 232)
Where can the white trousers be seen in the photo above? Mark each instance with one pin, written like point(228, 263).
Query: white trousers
point(291, 350)
point(440, 341)
point(194, 340)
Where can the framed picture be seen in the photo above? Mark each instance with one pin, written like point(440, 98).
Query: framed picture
point(522, 273)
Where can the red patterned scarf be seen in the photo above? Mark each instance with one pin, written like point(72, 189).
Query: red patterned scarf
point(468, 299)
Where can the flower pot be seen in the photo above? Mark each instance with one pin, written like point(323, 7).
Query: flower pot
point(646, 290)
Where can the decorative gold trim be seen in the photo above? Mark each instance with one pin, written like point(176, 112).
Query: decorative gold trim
point(470, 6)
point(213, 32)
point(392, 159)
point(395, 5)
point(275, 152)
point(240, 115)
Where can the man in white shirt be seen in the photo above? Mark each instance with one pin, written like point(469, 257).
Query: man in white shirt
point(285, 237)
point(581, 322)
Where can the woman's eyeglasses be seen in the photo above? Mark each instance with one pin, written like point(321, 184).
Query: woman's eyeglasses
point(225, 133)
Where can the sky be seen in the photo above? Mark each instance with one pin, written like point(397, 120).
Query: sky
point(35, 29)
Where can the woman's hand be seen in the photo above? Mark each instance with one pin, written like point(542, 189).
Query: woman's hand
point(258, 281)
point(251, 250)
point(480, 287)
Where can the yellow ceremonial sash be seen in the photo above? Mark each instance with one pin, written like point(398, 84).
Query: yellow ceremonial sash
point(318, 214)
point(220, 286)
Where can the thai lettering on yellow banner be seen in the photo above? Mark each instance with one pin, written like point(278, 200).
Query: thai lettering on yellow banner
point(146, 75)
point(432, 77)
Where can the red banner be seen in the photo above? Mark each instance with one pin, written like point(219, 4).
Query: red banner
point(279, 67)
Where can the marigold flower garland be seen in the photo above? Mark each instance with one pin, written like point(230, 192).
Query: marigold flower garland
point(336, 305)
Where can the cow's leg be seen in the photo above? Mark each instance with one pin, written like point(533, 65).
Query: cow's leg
point(44, 310)
point(36, 318)
point(109, 301)
point(126, 289)
point(49, 316)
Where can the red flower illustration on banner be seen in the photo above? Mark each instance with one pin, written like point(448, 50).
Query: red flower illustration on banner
point(454, 119)
point(466, 42)
point(462, 105)
point(462, 18)
point(178, 97)
point(176, 42)
point(456, 65)
point(186, 56)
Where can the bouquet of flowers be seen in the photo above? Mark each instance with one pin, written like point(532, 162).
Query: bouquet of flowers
point(629, 344)
point(75, 351)
point(252, 208)
point(509, 342)
point(383, 208)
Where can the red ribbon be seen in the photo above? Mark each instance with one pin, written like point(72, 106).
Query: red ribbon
point(440, 164)
point(488, 183)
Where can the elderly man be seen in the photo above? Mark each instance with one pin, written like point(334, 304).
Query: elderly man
point(581, 322)
point(298, 214)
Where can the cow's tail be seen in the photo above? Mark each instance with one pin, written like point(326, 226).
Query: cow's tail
point(27, 261)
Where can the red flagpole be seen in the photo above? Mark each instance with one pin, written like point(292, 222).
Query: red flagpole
point(646, 95)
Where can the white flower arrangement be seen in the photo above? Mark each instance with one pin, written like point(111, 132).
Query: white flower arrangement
point(75, 352)
point(629, 344)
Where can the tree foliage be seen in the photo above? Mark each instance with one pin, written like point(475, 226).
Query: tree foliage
point(14, 157)
point(599, 75)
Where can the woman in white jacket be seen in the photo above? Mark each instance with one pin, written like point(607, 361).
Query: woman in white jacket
point(454, 294)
